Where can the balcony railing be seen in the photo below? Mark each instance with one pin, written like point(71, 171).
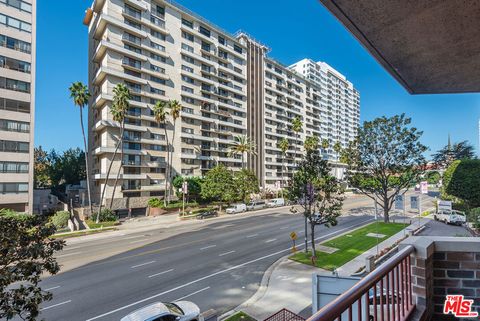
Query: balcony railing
point(384, 294)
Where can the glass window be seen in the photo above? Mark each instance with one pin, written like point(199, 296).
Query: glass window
point(204, 31)
point(187, 23)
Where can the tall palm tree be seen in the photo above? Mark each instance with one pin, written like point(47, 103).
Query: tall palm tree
point(284, 145)
point(160, 113)
point(175, 110)
point(121, 96)
point(311, 143)
point(325, 143)
point(242, 145)
point(297, 126)
point(80, 95)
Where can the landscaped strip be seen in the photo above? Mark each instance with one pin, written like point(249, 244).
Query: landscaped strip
point(350, 245)
point(240, 316)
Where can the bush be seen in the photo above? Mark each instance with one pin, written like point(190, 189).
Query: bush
point(462, 180)
point(60, 219)
point(155, 202)
point(106, 215)
point(473, 216)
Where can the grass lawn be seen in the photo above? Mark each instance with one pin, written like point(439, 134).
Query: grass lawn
point(82, 233)
point(240, 316)
point(92, 224)
point(350, 245)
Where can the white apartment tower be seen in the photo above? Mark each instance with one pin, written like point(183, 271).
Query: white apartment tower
point(17, 103)
point(162, 51)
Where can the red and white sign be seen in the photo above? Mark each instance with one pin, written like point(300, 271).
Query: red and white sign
point(424, 187)
point(459, 307)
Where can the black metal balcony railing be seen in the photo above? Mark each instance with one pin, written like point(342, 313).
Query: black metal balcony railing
point(385, 294)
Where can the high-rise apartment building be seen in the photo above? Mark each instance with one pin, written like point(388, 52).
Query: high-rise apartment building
point(227, 85)
point(17, 103)
point(162, 52)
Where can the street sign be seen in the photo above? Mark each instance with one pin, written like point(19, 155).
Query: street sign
point(424, 187)
point(399, 202)
point(414, 202)
point(185, 187)
point(293, 236)
point(444, 205)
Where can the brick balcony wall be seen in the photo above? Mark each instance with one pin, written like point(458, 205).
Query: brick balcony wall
point(441, 266)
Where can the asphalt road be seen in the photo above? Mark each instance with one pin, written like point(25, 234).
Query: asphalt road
point(217, 264)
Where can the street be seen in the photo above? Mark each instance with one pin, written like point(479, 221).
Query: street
point(217, 265)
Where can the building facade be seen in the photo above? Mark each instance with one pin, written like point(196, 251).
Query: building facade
point(226, 84)
point(162, 52)
point(17, 103)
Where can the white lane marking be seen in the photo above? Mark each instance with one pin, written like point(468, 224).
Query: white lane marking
point(68, 254)
point(253, 235)
point(207, 247)
point(284, 228)
point(191, 294)
point(226, 253)
point(157, 274)
point(52, 288)
point(132, 237)
point(271, 240)
point(235, 267)
point(142, 264)
point(55, 305)
point(137, 241)
point(68, 248)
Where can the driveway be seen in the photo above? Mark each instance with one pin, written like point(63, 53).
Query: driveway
point(435, 228)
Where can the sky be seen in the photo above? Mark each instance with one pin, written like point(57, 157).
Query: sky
point(306, 30)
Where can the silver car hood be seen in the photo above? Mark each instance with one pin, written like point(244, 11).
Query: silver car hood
point(190, 310)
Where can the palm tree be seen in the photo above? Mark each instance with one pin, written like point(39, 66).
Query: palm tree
point(175, 109)
point(337, 148)
point(311, 143)
point(284, 145)
point(160, 113)
point(325, 143)
point(121, 96)
point(297, 126)
point(242, 145)
point(80, 95)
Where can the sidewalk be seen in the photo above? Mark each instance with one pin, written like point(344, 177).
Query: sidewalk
point(288, 284)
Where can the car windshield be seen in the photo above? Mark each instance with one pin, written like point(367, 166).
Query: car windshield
point(173, 308)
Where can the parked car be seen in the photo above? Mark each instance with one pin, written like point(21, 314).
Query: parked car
point(317, 219)
point(450, 217)
point(164, 311)
point(206, 214)
point(384, 308)
point(256, 205)
point(275, 202)
point(236, 208)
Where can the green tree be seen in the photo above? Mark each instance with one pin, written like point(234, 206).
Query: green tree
point(433, 177)
point(385, 159)
point(242, 145)
point(284, 145)
point(297, 127)
point(218, 185)
point(175, 110)
point(325, 143)
point(461, 150)
point(311, 144)
point(318, 193)
point(80, 96)
point(160, 113)
point(27, 253)
point(194, 186)
point(120, 106)
point(41, 168)
point(462, 180)
point(246, 183)
point(67, 168)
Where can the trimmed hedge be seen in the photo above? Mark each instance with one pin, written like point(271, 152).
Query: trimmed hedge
point(462, 180)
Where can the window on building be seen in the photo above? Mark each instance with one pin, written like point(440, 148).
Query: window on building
point(187, 23)
point(15, 23)
point(237, 48)
point(204, 31)
point(13, 167)
point(14, 146)
point(14, 126)
point(188, 36)
point(221, 40)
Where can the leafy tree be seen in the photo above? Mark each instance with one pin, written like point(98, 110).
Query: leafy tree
point(218, 185)
point(120, 106)
point(325, 143)
point(385, 159)
point(284, 145)
point(246, 183)
point(461, 150)
point(80, 96)
point(68, 167)
point(41, 168)
point(462, 180)
point(161, 114)
point(242, 145)
point(194, 186)
point(433, 177)
point(27, 252)
point(318, 193)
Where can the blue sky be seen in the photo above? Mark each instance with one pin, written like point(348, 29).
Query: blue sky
point(305, 30)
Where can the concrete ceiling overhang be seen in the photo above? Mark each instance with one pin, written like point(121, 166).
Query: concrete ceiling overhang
point(430, 47)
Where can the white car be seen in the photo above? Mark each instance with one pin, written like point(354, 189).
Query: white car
point(276, 202)
point(164, 311)
point(450, 217)
point(236, 208)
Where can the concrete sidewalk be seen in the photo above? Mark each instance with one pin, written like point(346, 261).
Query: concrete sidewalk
point(288, 284)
